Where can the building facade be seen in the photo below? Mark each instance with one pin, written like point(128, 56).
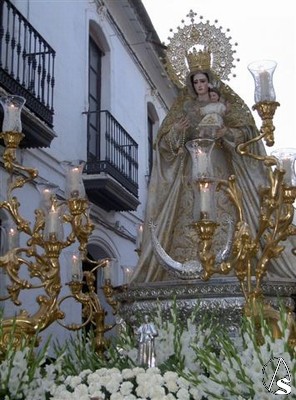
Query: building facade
point(96, 90)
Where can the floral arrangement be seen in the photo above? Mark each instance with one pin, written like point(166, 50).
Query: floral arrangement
point(194, 362)
point(128, 384)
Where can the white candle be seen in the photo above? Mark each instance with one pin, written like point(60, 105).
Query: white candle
point(128, 275)
point(13, 238)
point(46, 195)
point(46, 198)
point(107, 270)
point(53, 221)
point(76, 267)
point(73, 178)
point(139, 236)
point(205, 197)
point(264, 85)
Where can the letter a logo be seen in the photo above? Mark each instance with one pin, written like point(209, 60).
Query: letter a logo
point(276, 376)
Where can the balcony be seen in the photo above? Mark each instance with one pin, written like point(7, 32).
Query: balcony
point(27, 69)
point(111, 179)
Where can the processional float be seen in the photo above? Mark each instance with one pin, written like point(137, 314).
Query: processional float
point(234, 277)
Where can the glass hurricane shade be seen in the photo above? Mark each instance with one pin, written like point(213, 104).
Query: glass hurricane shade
point(286, 158)
point(47, 192)
point(204, 186)
point(74, 186)
point(200, 152)
point(127, 273)
point(9, 237)
point(262, 72)
point(12, 107)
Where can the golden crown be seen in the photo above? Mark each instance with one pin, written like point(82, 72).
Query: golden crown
point(198, 60)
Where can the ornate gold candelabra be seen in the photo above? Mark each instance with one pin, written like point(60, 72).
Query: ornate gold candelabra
point(44, 246)
point(275, 219)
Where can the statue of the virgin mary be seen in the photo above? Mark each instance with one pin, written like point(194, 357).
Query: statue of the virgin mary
point(173, 202)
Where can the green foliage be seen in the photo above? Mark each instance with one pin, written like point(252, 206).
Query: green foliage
point(78, 353)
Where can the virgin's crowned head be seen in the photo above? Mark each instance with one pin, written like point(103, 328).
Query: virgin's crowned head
point(200, 74)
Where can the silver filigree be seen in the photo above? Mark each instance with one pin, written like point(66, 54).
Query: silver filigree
point(200, 35)
point(223, 296)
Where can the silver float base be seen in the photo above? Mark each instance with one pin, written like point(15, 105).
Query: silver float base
point(220, 297)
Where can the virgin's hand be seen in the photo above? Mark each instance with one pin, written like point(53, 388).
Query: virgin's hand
point(182, 124)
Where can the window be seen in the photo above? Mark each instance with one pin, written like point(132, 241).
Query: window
point(152, 127)
point(94, 98)
point(150, 144)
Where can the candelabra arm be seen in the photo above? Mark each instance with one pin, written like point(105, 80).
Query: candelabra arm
point(92, 308)
point(109, 292)
point(97, 263)
point(39, 225)
point(12, 206)
point(21, 180)
point(266, 110)
point(100, 341)
point(82, 227)
point(26, 326)
point(241, 149)
point(10, 262)
point(275, 222)
point(206, 229)
point(12, 141)
point(244, 247)
point(234, 193)
point(270, 200)
point(13, 167)
point(82, 298)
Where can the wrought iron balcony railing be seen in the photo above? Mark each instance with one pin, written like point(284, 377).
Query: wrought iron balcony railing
point(118, 154)
point(26, 62)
